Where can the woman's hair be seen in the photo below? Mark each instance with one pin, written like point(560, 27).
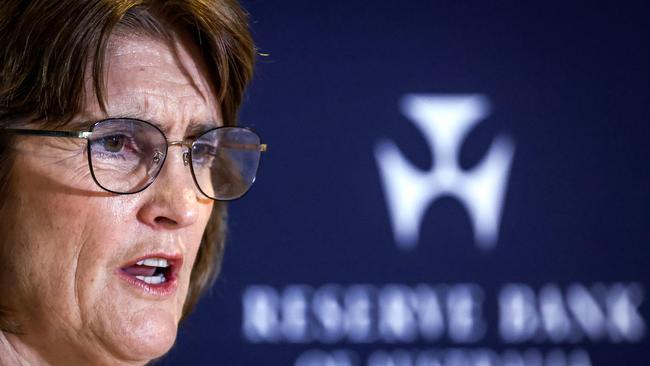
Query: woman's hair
point(49, 48)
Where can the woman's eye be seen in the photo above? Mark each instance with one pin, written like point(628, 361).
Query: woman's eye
point(203, 150)
point(203, 154)
point(113, 144)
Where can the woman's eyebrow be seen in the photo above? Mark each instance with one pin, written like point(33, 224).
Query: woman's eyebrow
point(192, 130)
point(195, 129)
point(78, 125)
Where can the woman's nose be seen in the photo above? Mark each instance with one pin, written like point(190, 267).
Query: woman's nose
point(174, 202)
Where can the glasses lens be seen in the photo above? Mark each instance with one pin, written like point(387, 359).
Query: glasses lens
point(126, 155)
point(224, 162)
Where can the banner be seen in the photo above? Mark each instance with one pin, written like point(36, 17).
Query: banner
point(446, 184)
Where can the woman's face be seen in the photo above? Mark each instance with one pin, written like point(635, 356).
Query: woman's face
point(65, 244)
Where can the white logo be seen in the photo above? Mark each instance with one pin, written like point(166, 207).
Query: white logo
point(445, 120)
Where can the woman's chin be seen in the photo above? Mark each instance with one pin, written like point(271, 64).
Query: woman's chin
point(145, 335)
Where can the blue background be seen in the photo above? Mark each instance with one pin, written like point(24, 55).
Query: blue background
point(568, 81)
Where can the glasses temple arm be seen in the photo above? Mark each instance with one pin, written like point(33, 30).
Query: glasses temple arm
point(46, 133)
point(260, 147)
point(87, 134)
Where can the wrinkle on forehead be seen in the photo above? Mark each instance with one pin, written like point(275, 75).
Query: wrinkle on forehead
point(164, 81)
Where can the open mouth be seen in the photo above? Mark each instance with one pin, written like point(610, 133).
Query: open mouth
point(153, 273)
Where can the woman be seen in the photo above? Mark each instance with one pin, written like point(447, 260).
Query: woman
point(115, 158)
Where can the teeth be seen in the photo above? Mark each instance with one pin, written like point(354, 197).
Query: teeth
point(152, 280)
point(154, 262)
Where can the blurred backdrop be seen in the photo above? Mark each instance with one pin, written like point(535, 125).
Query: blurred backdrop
point(447, 183)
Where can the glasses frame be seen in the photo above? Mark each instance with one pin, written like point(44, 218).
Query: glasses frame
point(187, 155)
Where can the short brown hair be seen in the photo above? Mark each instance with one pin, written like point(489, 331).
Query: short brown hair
point(45, 50)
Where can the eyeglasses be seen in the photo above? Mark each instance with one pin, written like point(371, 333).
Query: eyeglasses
point(126, 155)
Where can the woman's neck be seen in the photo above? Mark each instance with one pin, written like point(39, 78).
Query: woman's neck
point(12, 352)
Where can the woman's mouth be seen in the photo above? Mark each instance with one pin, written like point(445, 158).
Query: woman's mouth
point(155, 274)
point(153, 271)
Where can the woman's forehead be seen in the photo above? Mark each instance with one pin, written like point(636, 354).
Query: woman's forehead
point(167, 83)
